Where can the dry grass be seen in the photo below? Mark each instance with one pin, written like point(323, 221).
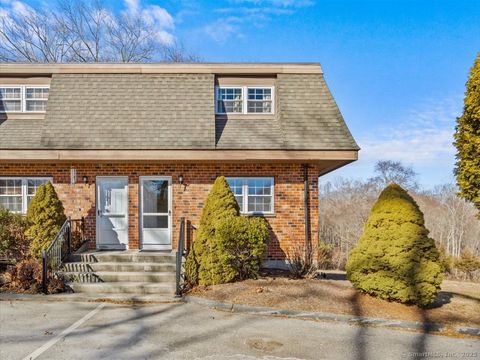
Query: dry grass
point(457, 304)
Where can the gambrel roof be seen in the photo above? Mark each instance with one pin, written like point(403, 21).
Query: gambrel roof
point(165, 106)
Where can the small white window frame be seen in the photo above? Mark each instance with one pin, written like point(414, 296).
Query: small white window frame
point(23, 97)
point(34, 99)
point(245, 195)
point(244, 99)
point(25, 187)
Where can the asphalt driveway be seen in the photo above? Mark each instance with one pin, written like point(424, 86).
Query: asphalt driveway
point(82, 330)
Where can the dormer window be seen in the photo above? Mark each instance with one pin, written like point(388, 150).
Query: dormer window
point(10, 99)
point(229, 100)
point(244, 100)
point(259, 100)
point(36, 98)
point(23, 98)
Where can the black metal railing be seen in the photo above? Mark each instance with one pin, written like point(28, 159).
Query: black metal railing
point(60, 248)
point(179, 278)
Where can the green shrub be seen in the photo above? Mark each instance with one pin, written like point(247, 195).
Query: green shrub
point(203, 264)
point(468, 264)
point(13, 243)
point(394, 258)
point(242, 243)
point(45, 217)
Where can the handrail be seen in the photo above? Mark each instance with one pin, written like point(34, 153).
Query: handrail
point(179, 258)
point(57, 252)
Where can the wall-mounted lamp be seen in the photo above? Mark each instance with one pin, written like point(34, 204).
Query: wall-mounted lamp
point(181, 179)
point(85, 179)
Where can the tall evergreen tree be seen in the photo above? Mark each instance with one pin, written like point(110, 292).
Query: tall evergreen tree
point(467, 140)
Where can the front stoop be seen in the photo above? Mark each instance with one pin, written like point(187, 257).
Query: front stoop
point(121, 272)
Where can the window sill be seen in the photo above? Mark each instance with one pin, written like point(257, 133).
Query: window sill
point(260, 215)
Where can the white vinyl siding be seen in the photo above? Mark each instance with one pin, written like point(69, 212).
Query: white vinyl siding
point(23, 98)
point(244, 100)
point(255, 195)
point(17, 192)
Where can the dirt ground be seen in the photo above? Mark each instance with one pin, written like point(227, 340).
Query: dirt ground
point(457, 304)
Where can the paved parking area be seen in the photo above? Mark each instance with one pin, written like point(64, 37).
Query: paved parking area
point(81, 330)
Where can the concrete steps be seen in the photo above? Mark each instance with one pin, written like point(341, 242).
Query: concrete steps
point(117, 267)
point(120, 276)
point(121, 272)
point(124, 288)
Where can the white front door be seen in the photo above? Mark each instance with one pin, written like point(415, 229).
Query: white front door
point(156, 212)
point(112, 212)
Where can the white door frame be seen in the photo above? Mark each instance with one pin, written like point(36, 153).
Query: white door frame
point(170, 209)
point(97, 199)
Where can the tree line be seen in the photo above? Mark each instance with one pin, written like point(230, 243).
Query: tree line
point(345, 205)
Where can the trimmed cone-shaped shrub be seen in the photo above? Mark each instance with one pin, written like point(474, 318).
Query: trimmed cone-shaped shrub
point(395, 259)
point(45, 217)
point(242, 243)
point(203, 265)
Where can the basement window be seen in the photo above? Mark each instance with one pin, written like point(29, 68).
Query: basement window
point(254, 194)
point(17, 192)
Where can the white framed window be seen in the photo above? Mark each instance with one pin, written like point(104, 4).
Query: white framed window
point(17, 192)
point(23, 98)
point(10, 99)
point(259, 100)
point(229, 100)
point(255, 195)
point(244, 100)
point(36, 99)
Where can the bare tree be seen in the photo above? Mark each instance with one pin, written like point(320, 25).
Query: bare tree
point(388, 172)
point(31, 36)
point(345, 205)
point(84, 31)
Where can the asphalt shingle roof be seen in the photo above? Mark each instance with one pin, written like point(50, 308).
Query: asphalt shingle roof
point(176, 111)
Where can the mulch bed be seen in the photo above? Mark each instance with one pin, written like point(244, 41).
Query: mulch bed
point(457, 304)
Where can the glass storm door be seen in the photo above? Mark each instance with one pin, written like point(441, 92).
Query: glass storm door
point(156, 212)
point(112, 212)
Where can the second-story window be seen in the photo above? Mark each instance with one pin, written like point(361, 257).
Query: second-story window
point(244, 100)
point(259, 100)
point(229, 100)
point(10, 99)
point(36, 98)
point(23, 98)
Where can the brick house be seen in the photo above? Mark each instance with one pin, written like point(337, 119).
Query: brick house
point(135, 147)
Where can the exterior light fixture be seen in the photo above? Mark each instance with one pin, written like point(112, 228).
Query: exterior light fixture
point(180, 179)
point(85, 179)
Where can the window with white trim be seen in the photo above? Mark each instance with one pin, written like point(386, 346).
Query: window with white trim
point(36, 98)
point(10, 99)
point(24, 98)
point(17, 192)
point(259, 100)
point(244, 100)
point(229, 100)
point(254, 194)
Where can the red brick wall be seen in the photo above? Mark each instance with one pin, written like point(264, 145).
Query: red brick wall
point(79, 200)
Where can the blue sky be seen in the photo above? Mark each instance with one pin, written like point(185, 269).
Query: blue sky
point(396, 68)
